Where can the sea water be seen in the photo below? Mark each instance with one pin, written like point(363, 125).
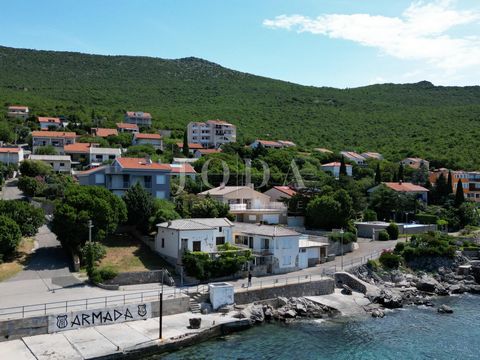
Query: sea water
point(409, 333)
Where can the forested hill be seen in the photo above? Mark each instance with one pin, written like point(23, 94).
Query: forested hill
point(439, 123)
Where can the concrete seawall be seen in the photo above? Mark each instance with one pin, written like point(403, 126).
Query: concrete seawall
point(313, 288)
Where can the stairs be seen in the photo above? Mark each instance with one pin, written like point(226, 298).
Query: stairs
point(194, 306)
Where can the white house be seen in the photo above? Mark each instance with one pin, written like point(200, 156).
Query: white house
point(138, 117)
point(152, 139)
point(59, 163)
point(175, 237)
point(276, 248)
point(354, 157)
point(99, 155)
point(212, 133)
point(49, 122)
point(280, 193)
point(57, 139)
point(11, 155)
point(18, 112)
point(415, 163)
point(334, 169)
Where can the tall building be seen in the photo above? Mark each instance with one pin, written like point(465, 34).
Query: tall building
point(212, 133)
point(139, 118)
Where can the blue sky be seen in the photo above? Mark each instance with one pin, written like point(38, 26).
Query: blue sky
point(341, 43)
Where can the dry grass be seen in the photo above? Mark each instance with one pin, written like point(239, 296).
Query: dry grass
point(10, 268)
point(124, 253)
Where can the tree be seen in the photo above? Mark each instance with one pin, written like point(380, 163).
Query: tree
point(343, 167)
point(46, 150)
point(459, 195)
point(329, 211)
point(140, 207)
point(449, 189)
point(378, 175)
point(185, 149)
point(31, 186)
point(34, 168)
point(10, 236)
point(392, 230)
point(209, 208)
point(27, 217)
point(440, 190)
point(401, 172)
point(84, 203)
point(164, 210)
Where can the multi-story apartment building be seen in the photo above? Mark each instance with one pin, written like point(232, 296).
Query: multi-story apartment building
point(470, 181)
point(18, 112)
point(211, 134)
point(139, 118)
point(57, 139)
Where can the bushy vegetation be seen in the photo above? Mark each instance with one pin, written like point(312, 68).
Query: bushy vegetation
point(179, 91)
point(429, 245)
point(202, 265)
point(392, 230)
point(390, 260)
point(26, 216)
point(383, 235)
point(10, 236)
point(348, 237)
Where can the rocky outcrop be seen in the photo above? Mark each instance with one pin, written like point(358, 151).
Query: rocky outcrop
point(444, 309)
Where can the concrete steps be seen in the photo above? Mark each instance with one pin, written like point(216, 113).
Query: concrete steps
point(195, 306)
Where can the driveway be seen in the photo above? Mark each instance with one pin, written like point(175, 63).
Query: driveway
point(10, 191)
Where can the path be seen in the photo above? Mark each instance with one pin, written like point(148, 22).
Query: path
point(10, 191)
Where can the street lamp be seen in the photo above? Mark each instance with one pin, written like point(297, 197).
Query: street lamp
point(341, 233)
point(90, 231)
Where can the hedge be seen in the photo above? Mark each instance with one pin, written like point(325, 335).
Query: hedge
point(423, 218)
point(348, 237)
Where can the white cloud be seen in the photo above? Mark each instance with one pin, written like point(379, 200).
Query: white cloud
point(420, 33)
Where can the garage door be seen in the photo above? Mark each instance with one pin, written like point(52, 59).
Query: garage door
point(271, 218)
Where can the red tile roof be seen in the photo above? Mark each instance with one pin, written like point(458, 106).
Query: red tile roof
point(10, 150)
point(209, 151)
point(90, 171)
point(77, 148)
point(127, 126)
point(138, 114)
point(101, 132)
point(179, 168)
point(147, 136)
point(17, 107)
point(49, 120)
point(219, 122)
point(269, 143)
point(335, 164)
point(54, 134)
point(405, 187)
point(141, 164)
point(190, 146)
point(286, 190)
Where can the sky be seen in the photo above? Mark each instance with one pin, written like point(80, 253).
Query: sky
point(339, 43)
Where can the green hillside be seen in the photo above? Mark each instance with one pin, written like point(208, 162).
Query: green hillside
point(439, 123)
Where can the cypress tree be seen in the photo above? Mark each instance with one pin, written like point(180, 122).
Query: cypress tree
point(459, 195)
point(400, 172)
point(185, 149)
point(394, 177)
point(378, 175)
point(343, 167)
point(440, 190)
point(449, 189)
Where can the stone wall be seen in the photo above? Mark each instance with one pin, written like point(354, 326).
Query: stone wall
point(313, 288)
point(141, 277)
point(352, 281)
point(17, 328)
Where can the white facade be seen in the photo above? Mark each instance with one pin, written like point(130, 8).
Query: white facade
point(11, 155)
point(100, 155)
point(18, 112)
point(334, 169)
point(212, 133)
point(175, 237)
point(59, 163)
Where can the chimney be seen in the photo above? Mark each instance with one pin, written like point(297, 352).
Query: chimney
point(222, 185)
point(169, 223)
point(400, 182)
point(148, 160)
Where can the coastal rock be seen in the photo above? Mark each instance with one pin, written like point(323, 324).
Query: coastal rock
point(282, 301)
point(290, 314)
point(444, 309)
point(390, 299)
point(427, 284)
point(256, 314)
point(378, 313)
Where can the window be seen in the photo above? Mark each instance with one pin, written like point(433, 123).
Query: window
point(219, 229)
point(286, 260)
point(220, 240)
point(98, 157)
point(160, 179)
point(163, 242)
point(99, 179)
point(147, 181)
point(197, 246)
point(111, 157)
point(126, 181)
point(160, 194)
point(62, 164)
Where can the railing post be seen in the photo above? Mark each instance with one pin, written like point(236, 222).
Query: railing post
point(45, 308)
point(23, 311)
point(106, 301)
point(123, 299)
point(66, 306)
point(86, 304)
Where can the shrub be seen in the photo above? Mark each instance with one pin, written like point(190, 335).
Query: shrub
point(424, 218)
point(399, 248)
point(390, 260)
point(383, 235)
point(372, 265)
point(107, 273)
point(348, 237)
point(10, 236)
point(392, 230)
point(369, 215)
point(97, 250)
point(30, 186)
point(27, 217)
point(34, 168)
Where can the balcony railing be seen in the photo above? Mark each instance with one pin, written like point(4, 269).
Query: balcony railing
point(267, 206)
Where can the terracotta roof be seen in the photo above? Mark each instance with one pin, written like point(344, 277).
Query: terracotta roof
point(405, 187)
point(17, 107)
point(286, 190)
point(49, 120)
point(190, 146)
point(219, 122)
point(334, 164)
point(352, 155)
point(101, 132)
point(147, 136)
point(141, 164)
point(269, 143)
point(90, 171)
point(77, 148)
point(127, 126)
point(209, 151)
point(10, 149)
point(140, 114)
point(185, 168)
point(52, 134)
point(323, 150)
point(287, 142)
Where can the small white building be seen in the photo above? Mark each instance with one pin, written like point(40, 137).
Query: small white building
point(18, 112)
point(353, 157)
point(276, 248)
point(334, 168)
point(11, 155)
point(148, 139)
point(59, 163)
point(47, 123)
point(99, 155)
point(175, 237)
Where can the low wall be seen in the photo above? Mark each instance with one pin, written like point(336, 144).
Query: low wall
point(17, 328)
point(141, 277)
point(313, 288)
point(352, 281)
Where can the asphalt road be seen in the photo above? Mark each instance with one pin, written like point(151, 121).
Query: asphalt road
point(10, 191)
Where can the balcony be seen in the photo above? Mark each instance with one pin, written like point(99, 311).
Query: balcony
point(268, 206)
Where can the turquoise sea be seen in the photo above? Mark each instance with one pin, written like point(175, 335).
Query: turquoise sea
point(410, 333)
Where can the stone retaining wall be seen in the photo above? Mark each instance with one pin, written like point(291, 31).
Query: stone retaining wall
point(17, 328)
point(141, 277)
point(352, 281)
point(313, 288)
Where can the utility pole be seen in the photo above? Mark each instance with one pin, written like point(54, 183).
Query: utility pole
point(160, 315)
point(90, 231)
point(341, 233)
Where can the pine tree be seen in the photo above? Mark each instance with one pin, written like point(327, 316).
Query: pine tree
point(449, 183)
point(459, 195)
point(400, 172)
point(343, 167)
point(378, 175)
point(185, 149)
